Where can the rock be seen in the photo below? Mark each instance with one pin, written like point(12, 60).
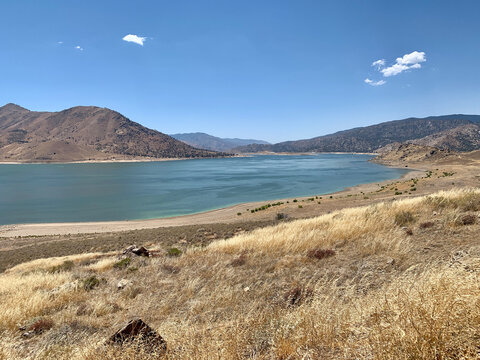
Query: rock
point(139, 251)
point(137, 330)
point(246, 289)
point(123, 284)
point(391, 261)
point(434, 213)
point(407, 230)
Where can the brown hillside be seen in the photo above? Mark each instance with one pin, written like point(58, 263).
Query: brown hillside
point(83, 133)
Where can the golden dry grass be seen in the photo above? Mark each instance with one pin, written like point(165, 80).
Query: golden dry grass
point(384, 294)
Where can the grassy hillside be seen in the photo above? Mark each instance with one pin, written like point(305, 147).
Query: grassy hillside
point(394, 280)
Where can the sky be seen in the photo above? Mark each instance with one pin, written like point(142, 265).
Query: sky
point(273, 70)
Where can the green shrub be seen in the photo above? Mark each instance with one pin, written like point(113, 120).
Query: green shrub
point(65, 266)
point(300, 206)
point(90, 283)
point(174, 252)
point(122, 264)
point(404, 217)
point(239, 213)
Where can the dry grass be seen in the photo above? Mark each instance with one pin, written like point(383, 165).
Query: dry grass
point(378, 294)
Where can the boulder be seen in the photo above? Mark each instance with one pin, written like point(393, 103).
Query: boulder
point(138, 331)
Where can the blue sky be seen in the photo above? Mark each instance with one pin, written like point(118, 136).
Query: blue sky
point(274, 70)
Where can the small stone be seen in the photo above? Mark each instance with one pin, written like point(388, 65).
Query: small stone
point(434, 213)
point(391, 261)
point(246, 289)
point(136, 329)
point(123, 284)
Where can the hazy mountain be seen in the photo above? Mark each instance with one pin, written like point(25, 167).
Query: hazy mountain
point(206, 141)
point(83, 133)
point(370, 138)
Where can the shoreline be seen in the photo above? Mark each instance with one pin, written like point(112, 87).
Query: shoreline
point(228, 214)
point(240, 155)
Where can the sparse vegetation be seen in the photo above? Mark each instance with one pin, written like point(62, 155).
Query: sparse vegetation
point(374, 294)
point(173, 252)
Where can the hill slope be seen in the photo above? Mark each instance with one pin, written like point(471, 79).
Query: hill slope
point(462, 138)
point(206, 141)
point(83, 133)
point(370, 138)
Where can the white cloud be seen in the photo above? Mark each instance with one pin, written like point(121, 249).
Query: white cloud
point(379, 63)
point(59, 42)
point(374, 83)
point(394, 70)
point(78, 47)
point(135, 39)
point(412, 58)
point(407, 61)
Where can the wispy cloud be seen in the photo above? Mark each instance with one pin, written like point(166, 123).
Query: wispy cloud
point(78, 47)
point(60, 42)
point(375, 83)
point(379, 63)
point(135, 39)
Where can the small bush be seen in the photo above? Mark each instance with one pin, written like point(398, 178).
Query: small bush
point(467, 220)
point(281, 216)
point(90, 283)
point(122, 264)
point(403, 218)
point(426, 225)
point(170, 269)
point(174, 252)
point(296, 295)
point(300, 206)
point(40, 325)
point(295, 200)
point(398, 193)
point(320, 253)
point(239, 213)
point(65, 266)
point(238, 261)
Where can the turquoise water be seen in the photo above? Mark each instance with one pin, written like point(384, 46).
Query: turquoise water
point(36, 193)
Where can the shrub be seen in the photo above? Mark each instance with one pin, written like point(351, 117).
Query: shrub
point(40, 325)
point(295, 200)
point(398, 193)
point(281, 216)
point(320, 253)
point(238, 261)
point(403, 218)
point(467, 220)
point(174, 252)
point(65, 266)
point(296, 295)
point(122, 264)
point(90, 283)
point(300, 206)
point(239, 213)
point(426, 225)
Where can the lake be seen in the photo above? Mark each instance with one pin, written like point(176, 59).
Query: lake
point(38, 193)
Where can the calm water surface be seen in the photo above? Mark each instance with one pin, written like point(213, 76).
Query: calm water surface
point(36, 193)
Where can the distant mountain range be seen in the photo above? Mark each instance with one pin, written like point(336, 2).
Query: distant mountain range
point(371, 138)
point(209, 142)
point(83, 133)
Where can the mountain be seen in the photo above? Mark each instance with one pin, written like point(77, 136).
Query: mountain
point(462, 138)
point(370, 138)
point(205, 141)
point(83, 133)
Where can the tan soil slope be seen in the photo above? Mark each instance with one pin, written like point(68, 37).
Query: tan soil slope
point(83, 133)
